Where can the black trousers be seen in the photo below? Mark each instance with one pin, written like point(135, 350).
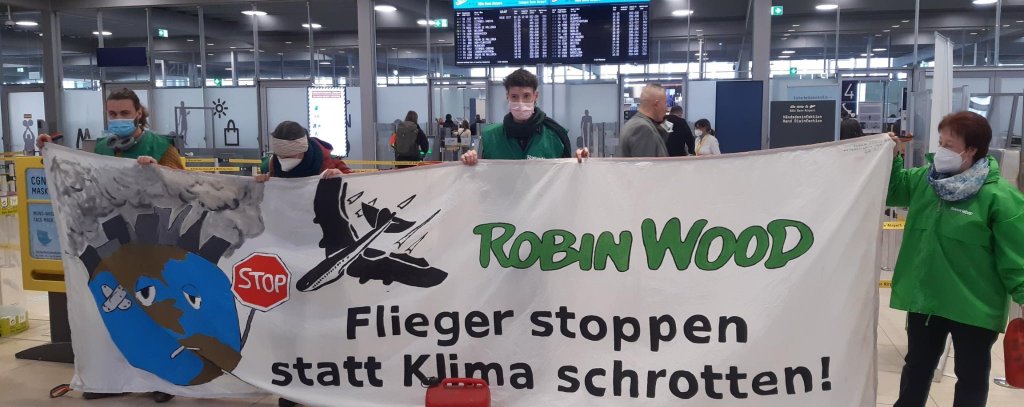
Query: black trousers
point(972, 348)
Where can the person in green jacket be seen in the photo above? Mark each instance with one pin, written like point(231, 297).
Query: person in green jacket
point(527, 132)
point(961, 262)
point(128, 136)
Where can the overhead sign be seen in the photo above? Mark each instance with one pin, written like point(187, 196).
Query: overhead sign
point(162, 33)
point(792, 71)
point(397, 278)
point(440, 23)
point(776, 10)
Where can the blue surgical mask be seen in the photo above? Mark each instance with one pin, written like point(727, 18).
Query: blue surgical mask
point(121, 127)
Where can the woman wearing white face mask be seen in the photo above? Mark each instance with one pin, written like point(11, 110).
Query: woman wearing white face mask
point(962, 259)
point(297, 155)
point(707, 143)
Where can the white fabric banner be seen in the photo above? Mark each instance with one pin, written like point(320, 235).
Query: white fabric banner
point(942, 87)
point(612, 282)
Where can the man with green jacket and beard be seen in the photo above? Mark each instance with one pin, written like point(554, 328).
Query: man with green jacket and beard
point(526, 132)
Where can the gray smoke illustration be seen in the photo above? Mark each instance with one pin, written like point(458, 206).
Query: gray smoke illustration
point(88, 196)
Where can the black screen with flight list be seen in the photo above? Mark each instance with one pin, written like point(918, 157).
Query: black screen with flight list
point(523, 32)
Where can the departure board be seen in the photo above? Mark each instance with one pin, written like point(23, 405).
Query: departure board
point(505, 32)
point(502, 36)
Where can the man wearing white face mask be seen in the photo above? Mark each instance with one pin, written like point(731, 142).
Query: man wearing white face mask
point(296, 155)
point(527, 132)
point(961, 262)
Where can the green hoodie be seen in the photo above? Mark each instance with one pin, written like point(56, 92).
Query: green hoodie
point(961, 261)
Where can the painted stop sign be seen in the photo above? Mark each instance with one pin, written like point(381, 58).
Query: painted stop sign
point(261, 281)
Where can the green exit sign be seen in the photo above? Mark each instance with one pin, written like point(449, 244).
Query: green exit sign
point(441, 23)
point(162, 33)
point(218, 82)
point(792, 71)
point(776, 10)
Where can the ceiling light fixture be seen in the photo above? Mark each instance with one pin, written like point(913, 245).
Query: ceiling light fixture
point(896, 26)
point(974, 33)
point(788, 51)
point(904, 21)
point(325, 63)
point(783, 56)
point(233, 47)
point(26, 23)
point(796, 25)
point(384, 8)
point(105, 33)
point(254, 13)
point(314, 25)
point(682, 13)
point(288, 42)
point(792, 31)
point(885, 31)
point(699, 30)
point(421, 22)
point(440, 40)
point(878, 49)
point(826, 7)
point(984, 2)
point(189, 40)
point(209, 45)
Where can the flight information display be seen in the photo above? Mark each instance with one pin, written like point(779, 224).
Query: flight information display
point(503, 32)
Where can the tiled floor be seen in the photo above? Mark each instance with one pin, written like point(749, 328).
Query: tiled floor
point(26, 383)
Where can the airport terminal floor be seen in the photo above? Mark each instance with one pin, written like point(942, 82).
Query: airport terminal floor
point(27, 383)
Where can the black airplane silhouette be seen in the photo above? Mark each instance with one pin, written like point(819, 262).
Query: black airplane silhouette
point(347, 254)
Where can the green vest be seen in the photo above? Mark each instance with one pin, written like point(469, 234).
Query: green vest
point(149, 144)
point(498, 146)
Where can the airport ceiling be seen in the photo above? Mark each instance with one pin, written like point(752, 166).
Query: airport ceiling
point(864, 24)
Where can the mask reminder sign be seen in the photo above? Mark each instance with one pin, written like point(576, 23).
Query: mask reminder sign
point(37, 189)
point(328, 118)
point(44, 244)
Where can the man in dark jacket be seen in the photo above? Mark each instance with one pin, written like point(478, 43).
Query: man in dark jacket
point(849, 127)
point(296, 155)
point(680, 140)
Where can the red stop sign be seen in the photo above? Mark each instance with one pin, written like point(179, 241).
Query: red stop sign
point(261, 281)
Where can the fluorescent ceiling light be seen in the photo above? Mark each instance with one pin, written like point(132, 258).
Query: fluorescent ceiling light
point(189, 40)
point(983, 2)
point(232, 47)
point(792, 31)
point(209, 45)
point(974, 33)
point(699, 30)
point(199, 66)
point(896, 26)
point(885, 31)
point(254, 13)
point(682, 13)
point(783, 56)
point(315, 26)
point(325, 63)
point(105, 33)
point(905, 21)
point(421, 22)
point(796, 25)
point(26, 23)
point(288, 42)
point(228, 69)
point(864, 55)
point(878, 49)
point(384, 8)
point(440, 40)
point(788, 51)
point(826, 7)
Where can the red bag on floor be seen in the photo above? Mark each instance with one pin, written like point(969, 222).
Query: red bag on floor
point(459, 393)
point(1013, 350)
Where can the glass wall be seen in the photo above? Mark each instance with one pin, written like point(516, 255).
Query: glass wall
point(21, 49)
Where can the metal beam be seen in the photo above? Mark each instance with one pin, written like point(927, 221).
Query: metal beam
point(368, 76)
point(53, 77)
point(762, 58)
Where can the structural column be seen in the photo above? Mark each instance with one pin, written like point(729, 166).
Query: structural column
point(368, 76)
point(761, 68)
point(53, 77)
